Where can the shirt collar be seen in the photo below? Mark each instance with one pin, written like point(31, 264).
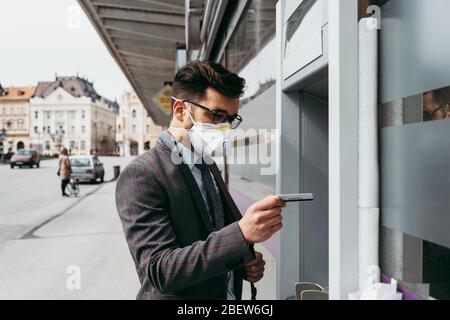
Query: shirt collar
point(189, 157)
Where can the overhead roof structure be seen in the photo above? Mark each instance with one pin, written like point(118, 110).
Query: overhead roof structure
point(143, 37)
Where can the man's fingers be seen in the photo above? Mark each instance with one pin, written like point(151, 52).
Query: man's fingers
point(269, 203)
point(255, 271)
point(259, 258)
point(273, 222)
point(253, 263)
point(277, 228)
point(268, 214)
point(254, 267)
point(254, 279)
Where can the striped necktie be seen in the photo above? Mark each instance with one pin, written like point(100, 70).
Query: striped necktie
point(214, 203)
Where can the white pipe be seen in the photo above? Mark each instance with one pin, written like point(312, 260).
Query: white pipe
point(368, 183)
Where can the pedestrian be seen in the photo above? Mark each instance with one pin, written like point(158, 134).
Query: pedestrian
point(179, 219)
point(64, 170)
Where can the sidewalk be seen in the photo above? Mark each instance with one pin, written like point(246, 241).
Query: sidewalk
point(88, 236)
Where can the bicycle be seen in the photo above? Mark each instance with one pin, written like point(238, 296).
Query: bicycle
point(73, 188)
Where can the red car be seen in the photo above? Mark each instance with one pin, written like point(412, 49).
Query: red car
point(25, 158)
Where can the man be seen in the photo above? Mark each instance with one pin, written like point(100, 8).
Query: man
point(436, 105)
point(179, 220)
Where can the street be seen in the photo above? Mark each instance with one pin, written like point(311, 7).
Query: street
point(62, 248)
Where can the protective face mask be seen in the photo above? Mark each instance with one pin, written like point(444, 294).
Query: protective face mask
point(210, 139)
point(213, 140)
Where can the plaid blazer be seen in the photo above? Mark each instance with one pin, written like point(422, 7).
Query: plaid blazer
point(171, 240)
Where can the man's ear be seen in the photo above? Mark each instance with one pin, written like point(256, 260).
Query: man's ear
point(178, 110)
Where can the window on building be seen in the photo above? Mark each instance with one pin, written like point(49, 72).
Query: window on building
point(48, 115)
point(423, 247)
point(119, 129)
point(133, 130)
point(83, 129)
point(72, 145)
point(47, 145)
point(49, 129)
point(36, 114)
point(83, 114)
point(72, 129)
point(36, 130)
point(83, 145)
point(60, 115)
point(255, 30)
point(148, 129)
point(134, 113)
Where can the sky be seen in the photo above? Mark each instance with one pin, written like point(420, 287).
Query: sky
point(42, 38)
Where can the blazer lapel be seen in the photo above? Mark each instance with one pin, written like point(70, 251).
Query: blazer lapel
point(168, 144)
point(236, 214)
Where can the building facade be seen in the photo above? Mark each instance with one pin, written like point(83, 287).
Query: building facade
point(361, 109)
point(68, 112)
point(14, 117)
point(136, 131)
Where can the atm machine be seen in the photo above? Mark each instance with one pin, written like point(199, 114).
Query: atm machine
point(302, 121)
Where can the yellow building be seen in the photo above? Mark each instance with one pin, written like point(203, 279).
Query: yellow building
point(136, 131)
point(14, 117)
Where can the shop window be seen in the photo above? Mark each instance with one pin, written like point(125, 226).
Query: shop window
point(413, 251)
point(256, 29)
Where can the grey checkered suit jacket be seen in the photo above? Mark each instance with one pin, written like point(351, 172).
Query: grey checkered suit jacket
point(169, 234)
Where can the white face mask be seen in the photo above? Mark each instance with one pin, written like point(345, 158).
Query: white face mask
point(213, 140)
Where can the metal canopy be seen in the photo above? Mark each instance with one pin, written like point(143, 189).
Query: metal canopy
point(142, 36)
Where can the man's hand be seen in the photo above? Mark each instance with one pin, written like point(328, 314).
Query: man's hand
point(262, 220)
point(254, 271)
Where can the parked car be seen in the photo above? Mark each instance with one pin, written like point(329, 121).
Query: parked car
point(25, 157)
point(87, 168)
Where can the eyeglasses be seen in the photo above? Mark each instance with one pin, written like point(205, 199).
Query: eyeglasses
point(220, 116)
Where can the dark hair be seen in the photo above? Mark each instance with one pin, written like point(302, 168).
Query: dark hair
point(192, 81)
point(441, 96)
